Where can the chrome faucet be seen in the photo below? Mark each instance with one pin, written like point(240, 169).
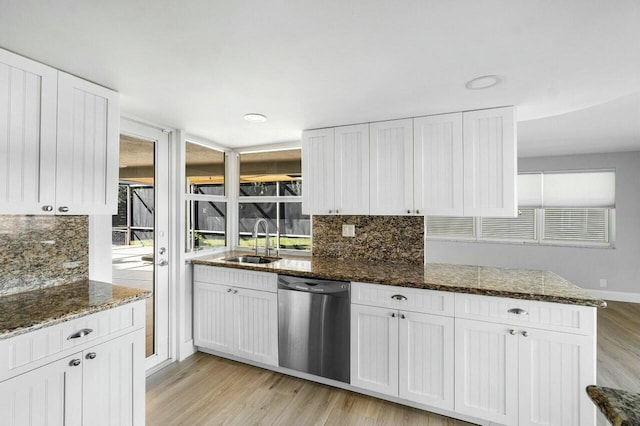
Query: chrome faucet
point(266, 230)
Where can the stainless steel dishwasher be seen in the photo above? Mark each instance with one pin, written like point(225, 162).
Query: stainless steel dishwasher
point(313, 326)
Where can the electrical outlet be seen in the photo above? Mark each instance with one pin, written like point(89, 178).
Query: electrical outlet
point(603, 282)
point(348, 230)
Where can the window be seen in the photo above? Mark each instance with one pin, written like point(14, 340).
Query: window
point(271, 188)
point(558, 208)
point(206, 201)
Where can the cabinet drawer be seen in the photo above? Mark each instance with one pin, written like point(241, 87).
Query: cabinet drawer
point(417, 300)
point(31, 350)
point(543, 315)
point(242, 278)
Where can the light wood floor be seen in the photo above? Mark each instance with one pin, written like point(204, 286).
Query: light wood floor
point(208, 390)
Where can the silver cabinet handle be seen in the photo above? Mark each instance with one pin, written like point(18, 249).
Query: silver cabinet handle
point(408, 211)
point(402, 316)
point(235, 291)
point(91, 355)
point(74, 362)
point(525, 333)
point(417, 211)
point(337, 211)
point(512, 332)
point(393, 315)
point(63, 209)
point(330, 211)
point(518, 311)
point(80, 333)
point(229, 290)
point(47, 208)
point(398, 297)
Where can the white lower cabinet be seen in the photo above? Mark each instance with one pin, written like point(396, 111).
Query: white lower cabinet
point(102, 385)
point(113, 382)
point(515, 375)
point(237, 321)
point(401, 353)
point(49, 395)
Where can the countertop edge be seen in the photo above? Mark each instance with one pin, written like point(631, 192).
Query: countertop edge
point(595, 303)
point(76, 314)
point(620, 407)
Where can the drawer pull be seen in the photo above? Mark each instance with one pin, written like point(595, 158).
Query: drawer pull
point(518, 311)
point(512, 332)
point(79, 334)
point(74, 362)
point(525, 333)
point(393, 315)
point(398, 297)
point(91, 355)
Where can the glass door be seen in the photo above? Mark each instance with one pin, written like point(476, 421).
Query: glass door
point(140, 229)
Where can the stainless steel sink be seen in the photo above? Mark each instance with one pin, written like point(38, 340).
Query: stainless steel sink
point(251, 259)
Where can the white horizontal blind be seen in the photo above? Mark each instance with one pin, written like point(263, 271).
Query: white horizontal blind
point(520, 228)
point(576, 225)
point(452, 227)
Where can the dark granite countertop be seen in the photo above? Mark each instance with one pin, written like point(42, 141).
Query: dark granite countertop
point(31, 310)
point(621, 408)
point(484, 280)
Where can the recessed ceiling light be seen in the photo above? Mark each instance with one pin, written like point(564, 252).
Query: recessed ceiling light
point(255, 118)
point(483, 82)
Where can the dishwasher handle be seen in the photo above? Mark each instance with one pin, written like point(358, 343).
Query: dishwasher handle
point(335, 288)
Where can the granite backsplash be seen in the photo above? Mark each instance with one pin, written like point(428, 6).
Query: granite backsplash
point(395, 239)
point(39, 251)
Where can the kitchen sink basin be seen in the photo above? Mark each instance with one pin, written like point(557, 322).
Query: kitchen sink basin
point(251, 259)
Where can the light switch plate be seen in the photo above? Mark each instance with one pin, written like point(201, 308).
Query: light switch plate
point(348, 230)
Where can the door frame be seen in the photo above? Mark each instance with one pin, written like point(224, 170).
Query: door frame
point(162, 219)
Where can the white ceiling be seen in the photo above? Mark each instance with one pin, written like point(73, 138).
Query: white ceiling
point(201, 65)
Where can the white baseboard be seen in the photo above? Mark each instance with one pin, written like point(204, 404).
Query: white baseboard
point(617, 296)
point(186, 350)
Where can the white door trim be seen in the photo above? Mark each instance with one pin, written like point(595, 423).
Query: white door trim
point(162, 235)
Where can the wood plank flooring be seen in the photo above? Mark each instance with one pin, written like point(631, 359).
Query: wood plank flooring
point(209, 390)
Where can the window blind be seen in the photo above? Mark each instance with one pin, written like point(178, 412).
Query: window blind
point(576, 224)
point(520, 228)
point(449, 226)
point(579, 189)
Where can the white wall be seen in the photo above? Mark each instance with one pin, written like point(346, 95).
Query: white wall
point(582, 266)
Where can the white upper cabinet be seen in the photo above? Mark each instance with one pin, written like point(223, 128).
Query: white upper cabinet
point(87, 161)
point(490, 163)
point(28, 93)
point(438, 165)
point(60, 134)
point(318, 171)
point(391, 167)
point(458, 164)
point(352, 169)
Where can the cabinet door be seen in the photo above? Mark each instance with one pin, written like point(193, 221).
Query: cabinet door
point(113, 382)
point(374, 349)
point(352, 169)
point(318, 171)
point(554, 370)
point(255, 317)
point(490, 163)
point(49, 395)
point(28, 98)
point(88, 146)
point(438, 165)
point(212, 317)
point(426, 359)
point(391, 167)
point(486, 371)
